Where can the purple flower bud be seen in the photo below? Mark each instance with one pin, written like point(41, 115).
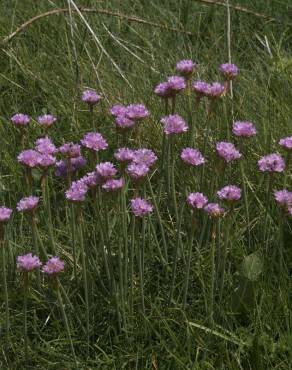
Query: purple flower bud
point(123, 122)
point(47, 120)
point(283, 198)
point(140, 207)
point(137, 112)
point(201, 88)
point(286, 143)
point(192, 156)
point(124, 155)
point(113, 184)
point(118, 110)
point(186, 67)
point(77, 192)
point(144, 156)
point(20, 119)
point(28, 262)
point(214, 210)
point(137, 170)
point(106, 170)
point(70, 150)
point(229, 70)
point(163, 90)
point(29, 158)
point(227, 151)
point(176, 84)
point(94, 141)
point(197, 200)
point(174, 124)
point(5, 214)
point(45, 146)
point(27, 204)
point(47, 160)
point(271, 163)
point(53, 266)
point(230, 193)
point(90, 97)
point(242, 128)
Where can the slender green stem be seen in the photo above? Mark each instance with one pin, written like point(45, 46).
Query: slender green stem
point(125, 238)
point(132, 252)
point(7, 318)
point(49, 214)
point(212, 276)
point(268, 200)
point(154, 234)
point(245, 199)
point(36, 244)
point(141, 265)
point(85, 280)
point(288, 160)
point(189, 258)
point(66, 323)
point(91, 112)
point(73, 238)
point(25, 293)
point(158, 216)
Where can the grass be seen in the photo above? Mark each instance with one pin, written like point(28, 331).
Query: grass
point(45, 69)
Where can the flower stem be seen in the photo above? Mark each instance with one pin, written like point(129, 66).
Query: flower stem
point(245, 199)
point(49, 214)
point(132, 251)
point(66, 323)
point(25, 291)
point(141, 265)
point(212, 276)
point(189, 258)
point(7, 318)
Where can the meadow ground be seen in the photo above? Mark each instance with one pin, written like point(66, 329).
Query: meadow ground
point(44, 69)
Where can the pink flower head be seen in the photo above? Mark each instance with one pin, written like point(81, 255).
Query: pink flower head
point(197, 200)
point(124, 155)
point(140, 207)
point(192, 156)
point(28, 262)
point(201, 88)
point(215, 90)
point(123, 122)
point(45, 146)
point(70, 150)
point(94, 141)
point(144, 156)
point(283, 198)
point(176, 84)
point(53, 266)
point(243, 128)
point(77, 191)
point(90, 97)
point(163, 90)
point(118, 110)
point(90, 179)
point(286, 143)
point(47, 160)
point(137, 170)
point(113, 184)
point(174, 124)
point(230, 193)
point(29, 158)
point(46, 120)
point(186, 67)
point(5, 214)
point(63, 168)
point(106, 170)
point(20, 119)
point(271, 163)
point(136, 112)
point(227, 151)
point(214, 210)
point(229, 70)
point(27, 204)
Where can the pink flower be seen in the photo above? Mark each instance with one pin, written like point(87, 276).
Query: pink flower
point(137, 170)
point(174, 124)
point(44, 145)
point(47, 160)
point(106, 170)
point(229, 70)
point(214, 210)
point(29, 158)
point(140, 207)
point(201, 88)
point(46, 120)
point(20, 119)
point(192, 157)
point(113, 184)
point(144, 156)
point(90, 179)
point(286, 143)
point(136, 112)
point(197, 200)
point(5, 214)
point(77, 192)
point(227, 151)
point(123, 122)
point(242, 128)
point(215, 90)
point(271, 163)
point(283, 198)
point(229, 193)
point(27, 204)
point(53, 266)
point(124, 155)
point(118, 110)
point(163, 90)
point(186, 67)
point(70, 150)
point(28, 262)
point(90, 97)
point(94, 141)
